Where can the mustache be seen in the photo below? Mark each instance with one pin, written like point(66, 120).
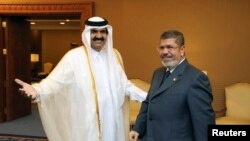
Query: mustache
point(96, 38)
point(166, 55)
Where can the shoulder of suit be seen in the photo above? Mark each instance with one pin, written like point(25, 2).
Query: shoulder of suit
point(158, 70)
point(194, 70)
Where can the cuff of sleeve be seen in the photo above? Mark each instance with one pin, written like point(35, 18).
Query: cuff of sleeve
point(36, 99)
point(38, 91)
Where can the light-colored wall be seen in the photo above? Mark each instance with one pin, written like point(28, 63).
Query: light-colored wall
point(216, 32)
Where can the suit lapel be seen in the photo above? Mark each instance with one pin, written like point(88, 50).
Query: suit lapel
point(173, 78)
point(160, 77)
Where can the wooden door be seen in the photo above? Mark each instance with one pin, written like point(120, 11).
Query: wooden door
point(17, 42)
point(2, 72)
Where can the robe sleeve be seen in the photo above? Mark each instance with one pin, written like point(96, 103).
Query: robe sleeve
point(134, 92)
point(61, 76)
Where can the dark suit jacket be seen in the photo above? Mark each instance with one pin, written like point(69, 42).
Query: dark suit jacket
point(178, 110)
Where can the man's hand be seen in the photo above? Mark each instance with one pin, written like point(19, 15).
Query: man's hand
point(26, 89)
point(133, 136)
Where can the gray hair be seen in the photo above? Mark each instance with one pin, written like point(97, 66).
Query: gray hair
point(174, 34)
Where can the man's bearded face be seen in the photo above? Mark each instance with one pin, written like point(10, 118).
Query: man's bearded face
point(98, 38)
point(170, 52)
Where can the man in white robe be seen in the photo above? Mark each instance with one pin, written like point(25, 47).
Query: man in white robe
point(82, 97)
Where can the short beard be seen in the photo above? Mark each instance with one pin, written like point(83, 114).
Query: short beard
point(170, 65)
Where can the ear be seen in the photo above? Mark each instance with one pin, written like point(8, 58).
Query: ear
point(182, 50)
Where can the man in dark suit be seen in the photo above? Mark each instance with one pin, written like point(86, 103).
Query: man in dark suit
point(178, 106)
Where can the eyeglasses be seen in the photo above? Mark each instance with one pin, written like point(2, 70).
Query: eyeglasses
point(169, 47)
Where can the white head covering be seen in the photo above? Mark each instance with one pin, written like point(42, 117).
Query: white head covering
point(97, 23)
point(114, 67)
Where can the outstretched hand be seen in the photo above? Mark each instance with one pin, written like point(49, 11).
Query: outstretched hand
point(27, 89)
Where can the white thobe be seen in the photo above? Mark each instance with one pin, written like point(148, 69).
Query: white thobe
point(67, 105)
point(105, 100)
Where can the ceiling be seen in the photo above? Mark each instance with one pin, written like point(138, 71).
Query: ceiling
point(55, 24)
point(52, 21)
